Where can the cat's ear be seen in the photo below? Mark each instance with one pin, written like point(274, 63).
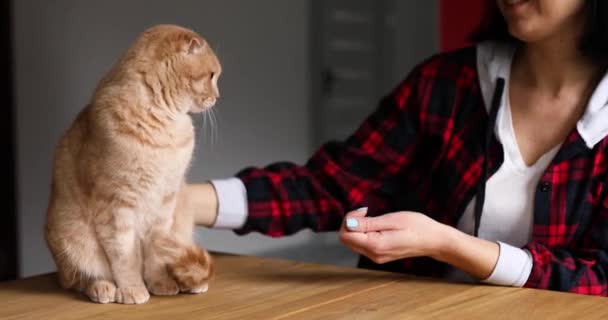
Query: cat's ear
point(192, 45)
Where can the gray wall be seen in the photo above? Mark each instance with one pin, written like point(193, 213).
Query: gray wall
point(62, 48)
point(416, 35)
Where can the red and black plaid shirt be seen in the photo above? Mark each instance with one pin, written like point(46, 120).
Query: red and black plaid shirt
point(422, 150)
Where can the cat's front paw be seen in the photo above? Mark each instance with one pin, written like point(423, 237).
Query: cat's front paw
point(193, 270)
point(101, 291)
point(163, 287)
point(132, 295)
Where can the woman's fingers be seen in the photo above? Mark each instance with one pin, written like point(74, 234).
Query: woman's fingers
point(370, 224)
point(373, 245)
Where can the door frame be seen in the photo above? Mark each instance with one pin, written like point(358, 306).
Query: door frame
point(9, 258)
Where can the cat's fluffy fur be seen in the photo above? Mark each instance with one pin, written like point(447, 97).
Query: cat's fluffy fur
point(118, 170)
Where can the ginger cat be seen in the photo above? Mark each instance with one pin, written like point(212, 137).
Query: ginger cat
point(117, 171)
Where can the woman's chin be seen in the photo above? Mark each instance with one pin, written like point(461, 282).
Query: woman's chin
point(526, 34)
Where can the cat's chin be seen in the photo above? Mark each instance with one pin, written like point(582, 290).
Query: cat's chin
point(200, 109)
point(206, 105)
point(197, 110)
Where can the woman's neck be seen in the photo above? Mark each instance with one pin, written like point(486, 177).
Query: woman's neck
point(556, 65)
point(556, 68)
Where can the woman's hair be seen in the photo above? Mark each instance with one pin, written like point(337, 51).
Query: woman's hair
point(594, 42)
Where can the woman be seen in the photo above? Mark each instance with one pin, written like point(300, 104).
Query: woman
point(489, 162)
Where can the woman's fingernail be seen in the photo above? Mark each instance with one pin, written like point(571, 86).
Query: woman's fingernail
point(352, 223)
point(362, 209)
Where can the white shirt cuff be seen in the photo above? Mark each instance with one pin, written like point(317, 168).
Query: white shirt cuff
point(232, 203)
point(513, 267)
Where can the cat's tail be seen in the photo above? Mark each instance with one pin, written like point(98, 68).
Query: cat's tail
point(174, 250)
point(190, 265)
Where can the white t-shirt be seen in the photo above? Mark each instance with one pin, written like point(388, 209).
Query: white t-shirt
point(508, 211)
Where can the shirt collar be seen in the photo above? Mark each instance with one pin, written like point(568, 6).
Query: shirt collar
point(494, 61)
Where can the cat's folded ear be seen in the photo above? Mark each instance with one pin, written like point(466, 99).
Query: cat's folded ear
point(191, 44)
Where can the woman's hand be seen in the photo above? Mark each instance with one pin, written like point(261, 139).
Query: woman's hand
point(392, 236)
point(399, 235)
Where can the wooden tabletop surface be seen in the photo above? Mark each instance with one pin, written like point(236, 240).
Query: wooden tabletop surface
point(262, 288)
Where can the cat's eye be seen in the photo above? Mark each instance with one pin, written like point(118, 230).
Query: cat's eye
point(199, 77)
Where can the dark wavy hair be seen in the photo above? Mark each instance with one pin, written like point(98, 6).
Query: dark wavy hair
point(594, 42)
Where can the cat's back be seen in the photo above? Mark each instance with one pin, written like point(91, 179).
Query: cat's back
point(70, 147)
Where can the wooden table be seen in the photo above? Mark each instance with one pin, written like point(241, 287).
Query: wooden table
point(262, 288)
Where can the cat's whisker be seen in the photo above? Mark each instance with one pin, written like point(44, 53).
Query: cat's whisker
point(204, 122)
point(207, 125)
point(215, 134)
point(213, 128)
point(212, 132)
